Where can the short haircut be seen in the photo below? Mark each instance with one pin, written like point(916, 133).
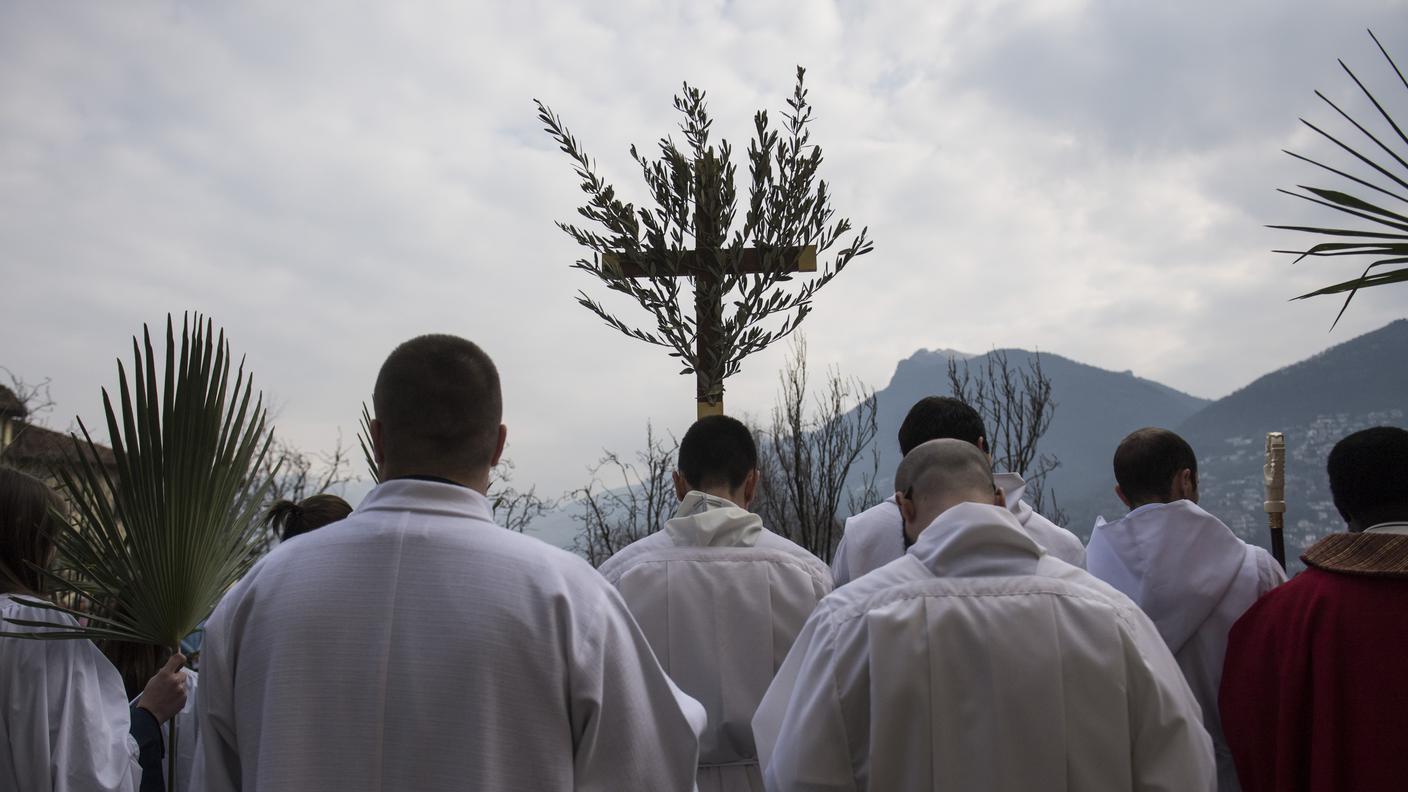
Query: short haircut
point(945, 468)
point(1369, 473)
point(29, 523)
point(940, 417)
point(438, 401)
point(291, 519)
point(1147, 461)
point(717, 450)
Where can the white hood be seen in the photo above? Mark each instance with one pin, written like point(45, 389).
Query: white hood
point(704, 520)
point(1176, 561)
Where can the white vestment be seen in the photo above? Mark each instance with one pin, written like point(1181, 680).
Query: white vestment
point(721, 599)
point(417, 645)
point(64, 719)
point(875, 537)
point(1194, 578)
point(978, 662)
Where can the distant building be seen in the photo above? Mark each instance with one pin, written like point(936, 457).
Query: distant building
point(35, 449)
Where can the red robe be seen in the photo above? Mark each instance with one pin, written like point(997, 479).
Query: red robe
point(1315, 686)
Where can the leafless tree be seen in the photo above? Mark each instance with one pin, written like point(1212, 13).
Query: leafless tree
point(806, 457)
point(634, 502)
point(515, 509)
point(1017, 408)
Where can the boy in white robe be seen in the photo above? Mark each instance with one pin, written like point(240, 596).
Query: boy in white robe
point(1184, 567)
point(977, 661)
point(719, 597)
point(875, 537)
point(417, 645)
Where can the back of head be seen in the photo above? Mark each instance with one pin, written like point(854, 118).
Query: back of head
point(940, 474)
point(1146, 463)
point(717, 451)
point(291, 519)
point(438, 401)
point(1369, 476)
point(939, 417)
point(28, 524)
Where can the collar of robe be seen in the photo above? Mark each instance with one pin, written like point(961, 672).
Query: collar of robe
point(429, 497)
point(977, 540)
point(1376, 554)
point(704, 520)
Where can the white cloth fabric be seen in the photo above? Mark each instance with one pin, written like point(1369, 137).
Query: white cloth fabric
point(875, 537)
point(186, 737)
point(1388, 528)
point(721, 599)
point(64, 719)
point(416, 645)
point(978, 662)
point(1194, 578)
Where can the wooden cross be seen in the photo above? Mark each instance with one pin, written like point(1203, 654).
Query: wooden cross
point(708, 291)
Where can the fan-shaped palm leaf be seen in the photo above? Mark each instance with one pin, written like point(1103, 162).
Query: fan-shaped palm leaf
point(1385, 239)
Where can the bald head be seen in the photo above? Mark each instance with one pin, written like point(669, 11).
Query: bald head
point(940, 474)
point(438, 411)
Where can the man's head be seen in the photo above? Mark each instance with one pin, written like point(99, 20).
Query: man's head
point(1155, 466)
point(938, 475)
point(1369, 477)
point(438, 411)
point(939, 417)
point(718, 456)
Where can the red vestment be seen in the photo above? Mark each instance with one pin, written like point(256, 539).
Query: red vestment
point(1315, 685)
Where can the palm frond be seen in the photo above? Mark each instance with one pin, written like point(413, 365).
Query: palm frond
point(152, 545)
point(1382, 233)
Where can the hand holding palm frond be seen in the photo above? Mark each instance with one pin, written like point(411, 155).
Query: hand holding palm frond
point(154, 543)
point(1385, 240)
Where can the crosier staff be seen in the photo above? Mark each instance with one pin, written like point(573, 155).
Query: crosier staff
point(1275, 476)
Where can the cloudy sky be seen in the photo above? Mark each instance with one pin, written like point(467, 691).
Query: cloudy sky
point(1088, 178)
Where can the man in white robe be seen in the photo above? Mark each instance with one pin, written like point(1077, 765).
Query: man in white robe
point(719, 597)
point(1181, 565)
point(977, 661)
point(417, 645)
point(875, 537)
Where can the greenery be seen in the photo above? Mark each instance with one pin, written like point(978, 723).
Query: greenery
point(1385, 241)
point(691, 233)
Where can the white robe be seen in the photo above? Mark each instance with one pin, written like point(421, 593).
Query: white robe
point(721, 599)
point(978, 662)
point(416, 645)
point(1194, 578)
point(875, 537)
point(64, 719)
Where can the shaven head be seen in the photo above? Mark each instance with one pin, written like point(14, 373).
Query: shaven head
point(1369, 477)
point(438, 410)
point(936, 417)
point(940, 474)
point(1155, 466)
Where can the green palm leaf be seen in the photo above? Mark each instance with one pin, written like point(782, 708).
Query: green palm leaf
point(1382, 237)
point(153, 544)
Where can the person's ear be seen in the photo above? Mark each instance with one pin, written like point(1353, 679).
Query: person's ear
point(907, 509)
point(378, 443)
point(999, 498)
point(681, 486)
point(1192, 492)
point(1120, 493)
point(750, 488)
point(499, 445)
point(1185, 486)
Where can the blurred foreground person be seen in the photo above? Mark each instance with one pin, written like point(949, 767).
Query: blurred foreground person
point(1314, 695)
point(720, 597)
point(1185, 569)
point(420, 646)
point(977, 661)
point(65, 724)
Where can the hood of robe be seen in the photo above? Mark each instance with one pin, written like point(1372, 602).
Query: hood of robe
point(704, 520)
point(1175, 560)
point(977, 540)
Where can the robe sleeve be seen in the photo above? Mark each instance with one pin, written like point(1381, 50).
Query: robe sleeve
point(798, 727)
point(840, 570)
point(631, 727)
point(72, 702)
point(1172, 752)
point(216, 767)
